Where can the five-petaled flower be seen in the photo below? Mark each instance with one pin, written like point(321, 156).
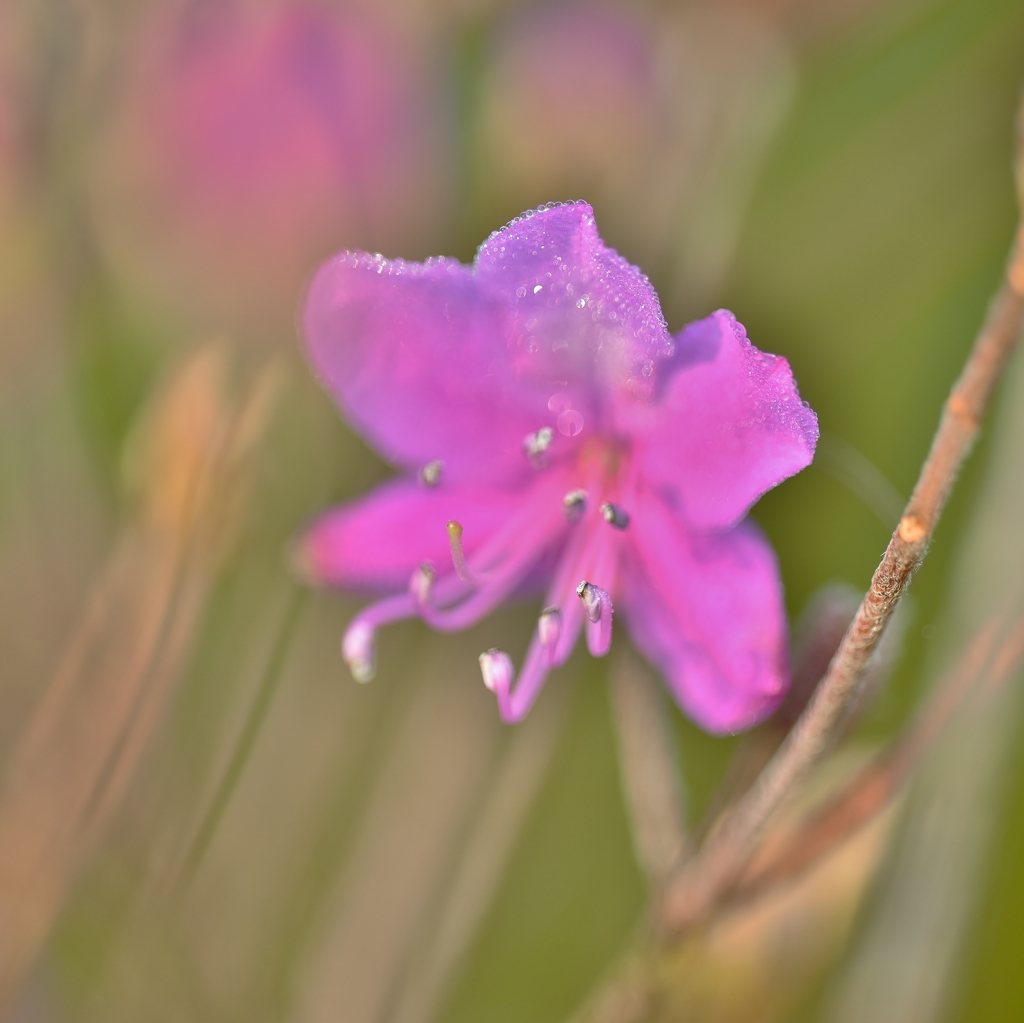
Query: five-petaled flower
point(551, 430)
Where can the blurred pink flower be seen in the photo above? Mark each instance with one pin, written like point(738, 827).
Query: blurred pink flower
point(542, 412)
point(661, 113)
point(250, 137)
point(12, 46)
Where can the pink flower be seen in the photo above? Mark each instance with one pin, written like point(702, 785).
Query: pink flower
point(550, 430)
point(248, 138)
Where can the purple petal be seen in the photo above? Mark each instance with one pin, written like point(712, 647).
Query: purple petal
point(707, 611)
point(728, 426)
point(582, 313)
point(437, 360)
point(414, 354)
point(374, 543)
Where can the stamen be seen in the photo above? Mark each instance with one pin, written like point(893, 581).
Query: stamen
point(459, 555)
point(358, 649)
point(430, 474)
point(358, 645)
point(499, 675)
point(548, 649)
point(506, 558)
point(614, 515)
point(481, 601)
point(496, 668)
point(575, 504)
point(533, 518)
point(549, 629)
point(421, 583)
point(597, 604)
point(536, 445)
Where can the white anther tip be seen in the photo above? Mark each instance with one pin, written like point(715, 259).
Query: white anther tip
point(357, 648)
point(430, 474)
point(549, 626)
point(421, 583)
point(614, 515)
point(362, 671)
point(496, 668)
point(535, 445)
point(592, 598)
point(575, 504)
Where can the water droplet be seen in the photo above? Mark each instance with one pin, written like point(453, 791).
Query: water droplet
point(559, 402)
point(537, 288)
point(648, 368)
point(581, 303)
point(570, 422)
point(521, 292)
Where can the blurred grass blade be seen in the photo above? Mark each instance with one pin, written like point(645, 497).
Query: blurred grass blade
point(81, 748)
point(250, 730)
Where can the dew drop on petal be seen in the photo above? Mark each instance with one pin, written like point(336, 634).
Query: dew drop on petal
point(648, 368)
point(570, 422)
point(521, 292)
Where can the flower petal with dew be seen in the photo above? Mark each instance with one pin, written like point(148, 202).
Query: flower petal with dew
point(554, 436)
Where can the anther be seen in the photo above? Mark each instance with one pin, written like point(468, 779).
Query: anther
point(430, 474)
point(591, 597)
point(536, 445)
point(549, 629)
point(614, 515)
point(357, 647)
point(422, 582)
point(597, 604)
point(575, 504)
point(496, 668)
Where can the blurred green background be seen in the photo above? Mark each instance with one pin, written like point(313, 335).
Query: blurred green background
point(290, 846)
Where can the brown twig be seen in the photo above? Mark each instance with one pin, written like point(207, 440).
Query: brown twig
point(702, 883)
point(984, 666)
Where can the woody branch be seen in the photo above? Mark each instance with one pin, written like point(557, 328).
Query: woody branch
point(705, 880)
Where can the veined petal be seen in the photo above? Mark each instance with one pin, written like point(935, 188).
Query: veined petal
point(581, 313)
point(728, 425)
point(375, 542)
point(707, 611)
point(415, 355)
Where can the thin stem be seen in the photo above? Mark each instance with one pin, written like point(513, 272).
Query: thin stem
point(984, 667)
point(508, 799)
point(650, 773)
point(247, 740)
point(704, 882)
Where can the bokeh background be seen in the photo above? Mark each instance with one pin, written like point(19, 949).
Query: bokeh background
point(205, 818)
